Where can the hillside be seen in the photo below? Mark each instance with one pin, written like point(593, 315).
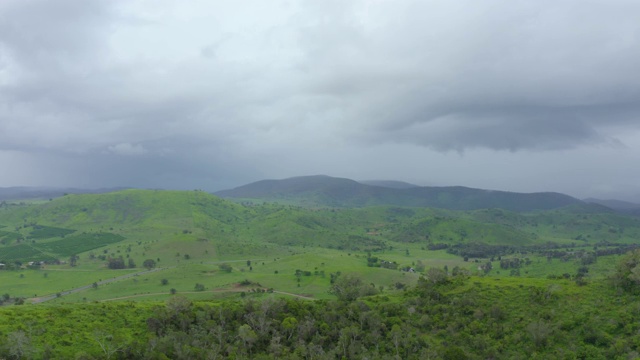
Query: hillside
point(338, 192)
point(623, 207)
point(393, 184)
point(64, 226)
point(105, 239)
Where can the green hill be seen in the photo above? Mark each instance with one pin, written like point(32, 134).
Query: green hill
point(189, 234)
point(174, 219)
point(338, 192)
point(479, 283)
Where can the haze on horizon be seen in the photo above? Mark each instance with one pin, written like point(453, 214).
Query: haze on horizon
point(508, 95)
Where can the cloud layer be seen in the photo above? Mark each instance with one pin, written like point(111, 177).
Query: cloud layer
point(210, 94)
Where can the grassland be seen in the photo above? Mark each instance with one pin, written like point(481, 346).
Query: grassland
point(190, 234)
point(450, 284)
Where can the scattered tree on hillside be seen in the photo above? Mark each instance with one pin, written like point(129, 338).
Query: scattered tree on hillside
point(149, 263)
point(116, 263)
point(225, 267)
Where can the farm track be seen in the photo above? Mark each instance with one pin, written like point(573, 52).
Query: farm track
point(210, 291)
point(42, 299)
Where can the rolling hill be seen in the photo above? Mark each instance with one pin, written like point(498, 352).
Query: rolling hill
point(323, 190)
point(201, 221)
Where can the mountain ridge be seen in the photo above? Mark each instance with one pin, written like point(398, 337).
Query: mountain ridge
point(323, 190)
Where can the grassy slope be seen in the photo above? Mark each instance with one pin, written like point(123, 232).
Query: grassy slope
point(191, 233)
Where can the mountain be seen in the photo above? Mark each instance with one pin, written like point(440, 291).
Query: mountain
point(392, 184)
point(322, 190)
point(623, 207)
point(26, 193)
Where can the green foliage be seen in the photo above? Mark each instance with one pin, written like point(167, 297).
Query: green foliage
point(78, 243)
point(350, 287)
point(23, 253)
point(448, 317)
point(46, 232)
point(627, 275)
point(116, 263)
point(8, 237)
point(225, 267)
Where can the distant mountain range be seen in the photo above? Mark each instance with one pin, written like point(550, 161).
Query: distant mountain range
point(321, 190)
point(327, 191)
point(389, 184)
point(26, 193)
point(624, 207)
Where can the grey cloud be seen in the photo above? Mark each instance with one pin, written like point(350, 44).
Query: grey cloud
point(533, 77)
point(153, 90)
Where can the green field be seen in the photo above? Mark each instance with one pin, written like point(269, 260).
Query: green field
point(79, 243)
point(47, 232)
point(431, 283)
point(189, 234)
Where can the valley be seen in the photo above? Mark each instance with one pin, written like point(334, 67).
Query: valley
point(150, 247)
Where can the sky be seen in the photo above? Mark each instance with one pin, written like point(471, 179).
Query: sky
point(510, 95)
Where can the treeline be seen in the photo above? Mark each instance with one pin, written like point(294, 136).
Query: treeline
point(442, 317)
point(550, 250)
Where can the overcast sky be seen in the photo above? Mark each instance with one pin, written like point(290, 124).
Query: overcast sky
point(511, 95)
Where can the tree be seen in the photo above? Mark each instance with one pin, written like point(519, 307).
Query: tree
point(437, 276)
point(19, 345)
point(164, 281)
point(247, 336)
point(149, 264)
point(289, 325)
point(107, 343)
point(132, 264)
point(116, 263)
point(199, 287)
point(539, 332)
point(349, 287)
point(627, 275)
point(225, 267)
point(73, 260)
